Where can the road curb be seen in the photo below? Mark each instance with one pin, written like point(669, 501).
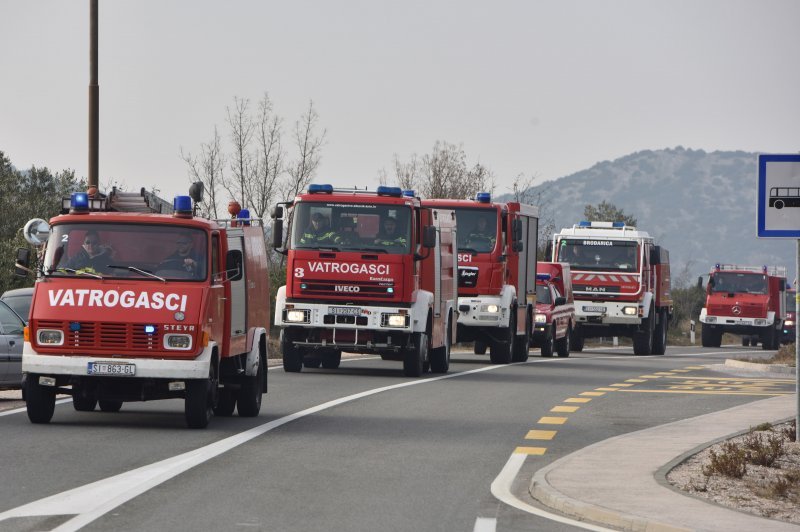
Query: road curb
point(782, 369)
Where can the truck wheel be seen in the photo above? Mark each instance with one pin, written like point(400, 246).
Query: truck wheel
point(201, 395)
point(501, 349)
point(414, 360)
point(40, 400)
point(110, 406)
point(312, 361)
point(249, 400)
point(660, 334)
point(292, 356)
point(440, 357)
point(745, 340)
point(562, 344)
point(643, 340)
point(332, 359)
point(710, 337)
point(522, 343)
point(479, 348)
point(548, 343)
point(576, 340)
point(226, 403)
point(82, 399)
point(768, 340)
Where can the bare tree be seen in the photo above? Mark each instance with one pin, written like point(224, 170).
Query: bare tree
point(242, 162)
point(309, 144)
point(443, 173)
point(269, 161)
point(207, 167)
point(407, 175)
point(607, 212)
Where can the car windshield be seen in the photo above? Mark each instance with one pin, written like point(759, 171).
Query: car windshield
point(351, 227)
point(739, 283)
point(791, 304)
point(20, 304)
point(477, 229)
point(543, 294)
point(100, 250)
point(599, 254)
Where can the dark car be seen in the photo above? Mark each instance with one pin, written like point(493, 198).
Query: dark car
point(19, 299)
point(11, 326)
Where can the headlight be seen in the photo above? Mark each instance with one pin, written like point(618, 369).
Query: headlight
point(489, 308)
point(630, 311)
point(394, 320)
point(541, 318)
point(759, 321)
point(180, 342)
point(711, 319)
point(50, 337)
point(296, 316)
point(789, 323)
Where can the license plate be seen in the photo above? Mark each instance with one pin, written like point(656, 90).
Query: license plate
point(594, 309)
point(345, 311)
point(121, 369)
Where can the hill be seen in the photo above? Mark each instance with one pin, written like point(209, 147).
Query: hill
point(701, 206)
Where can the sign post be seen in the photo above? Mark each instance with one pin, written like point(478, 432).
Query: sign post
point(779, 217)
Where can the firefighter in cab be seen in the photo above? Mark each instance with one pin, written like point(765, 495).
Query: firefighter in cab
point(481, 238)
point(319, 231)
point(389, 235)
point(92, 256)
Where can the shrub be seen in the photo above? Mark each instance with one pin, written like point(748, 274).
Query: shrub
point(731, 462)
point(762, 427)
point(790, 432)
point(763, 451)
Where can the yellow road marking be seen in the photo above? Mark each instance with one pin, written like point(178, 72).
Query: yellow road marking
point(699, 392)
point(681, 370)
point(621, 385)
point(592, 394)
point(734, 379)
point(650, 376)
point(552, 420)
point(606, 389)
point(635, 380)
point(695, 367)
point(538, 451)
point(540, 435)
point(664, 373)
point(564, 408)
point(577, 400)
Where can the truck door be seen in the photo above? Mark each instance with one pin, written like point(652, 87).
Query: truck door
point(10, 346)
point(238, 293)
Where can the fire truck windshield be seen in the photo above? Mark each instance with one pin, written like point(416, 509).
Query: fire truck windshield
point(102, 250)
point(477, 229)
point(543, 294)
point(739, 283)
point(352, 227)
point(598, 254)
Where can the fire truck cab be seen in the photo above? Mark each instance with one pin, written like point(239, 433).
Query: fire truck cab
point(367, 272)
point(621, 282)
point(497, 245)
point(135, 304)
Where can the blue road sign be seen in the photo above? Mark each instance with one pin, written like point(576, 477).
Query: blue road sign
point(779, 196)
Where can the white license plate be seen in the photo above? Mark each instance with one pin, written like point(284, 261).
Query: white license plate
point(121, 369)
point(345, 311)
point(594, 309)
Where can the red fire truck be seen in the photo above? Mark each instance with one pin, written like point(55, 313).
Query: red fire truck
point(746, 300)
point(131, 305)
point(790, 323)
point(367, 272)
point(621, 281)
point(496, 274)
point(555, 309)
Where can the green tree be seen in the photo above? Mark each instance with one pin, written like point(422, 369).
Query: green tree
point(607, 212)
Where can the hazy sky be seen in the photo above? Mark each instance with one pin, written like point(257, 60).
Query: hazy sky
point(539, 88)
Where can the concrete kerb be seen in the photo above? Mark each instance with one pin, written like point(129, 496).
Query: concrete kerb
point(780, 369)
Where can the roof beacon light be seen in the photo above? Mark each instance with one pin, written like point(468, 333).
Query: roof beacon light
point(182, 206)
point(316, 188)
point(618, 224)
point(395, 192)
point(483, 197)
point(542, 276)
point(584, 223)
point(409, 193)
point(244, 215)
point(79, 202)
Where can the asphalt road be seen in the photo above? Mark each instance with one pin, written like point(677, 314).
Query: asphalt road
point(360, 448)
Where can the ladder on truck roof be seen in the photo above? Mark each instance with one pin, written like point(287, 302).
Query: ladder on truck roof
point(774, 271)
point(142, 201)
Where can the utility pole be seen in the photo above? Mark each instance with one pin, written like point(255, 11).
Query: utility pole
point(94, 101)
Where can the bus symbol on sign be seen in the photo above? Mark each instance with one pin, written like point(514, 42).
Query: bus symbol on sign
point(778, 187)
point(780, 197)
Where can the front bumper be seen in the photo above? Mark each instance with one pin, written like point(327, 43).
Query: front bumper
point(608, 312)
point(475, 312)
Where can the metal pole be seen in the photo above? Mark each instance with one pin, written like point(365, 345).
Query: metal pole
point(797, 343)
point(94, 99)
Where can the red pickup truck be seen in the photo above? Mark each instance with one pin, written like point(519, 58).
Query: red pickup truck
point(555, 309)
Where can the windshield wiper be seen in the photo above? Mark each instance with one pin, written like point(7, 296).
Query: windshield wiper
point(137, 270)
point(376, 250)
point(77, 272)
point(471, 250)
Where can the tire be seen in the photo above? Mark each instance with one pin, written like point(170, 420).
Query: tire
point(415, 358)
point(292, 356)
point(779, 204)
point(753, 341)
point(660, 334)
point(643, 340)
point(201, 395)
point(745, 341)
point(576, 340)
point(479, 348)
point(332, 359)
point(110, 406)
point(249, 400)
point(522, 343)
point(769, 340)
point(548, 343)
point(40, 400)
point(501, 349)
point(226, 403)
point(82, 400)
point(440, 357)
point(312, 362)
point(710, 337)
point(562, 344)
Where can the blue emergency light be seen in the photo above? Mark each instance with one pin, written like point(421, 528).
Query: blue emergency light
point(182, 205)
point(395, 192)
point(409, 193)
point(483, 197)
point(149, 329)
point(584, 223)
point(617, 224)
point(79, 201)
point(542, 276)
point(316, 188)
point(244, 215)
point(74, 326)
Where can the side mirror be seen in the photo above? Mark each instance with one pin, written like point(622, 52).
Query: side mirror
point(277, 212)
point(429, 237)
point(561, 300)
point(233, 265)
point(36, 232)
point(277, 233)
point(23, 265)
point(700, 282)
point(517, 245)
point(548, 251)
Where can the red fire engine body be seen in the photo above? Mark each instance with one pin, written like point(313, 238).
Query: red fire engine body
point(746, 300)
point(497, 245)
point(621, 281)
point(146, 319)
point(789, 325)
point(367, 272)
point(555, 309)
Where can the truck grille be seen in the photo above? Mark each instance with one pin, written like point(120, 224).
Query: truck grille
point(103, 335)
point(327, 288)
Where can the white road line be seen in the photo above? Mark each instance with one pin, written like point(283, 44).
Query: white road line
point(24, 409)
point(485, 524)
